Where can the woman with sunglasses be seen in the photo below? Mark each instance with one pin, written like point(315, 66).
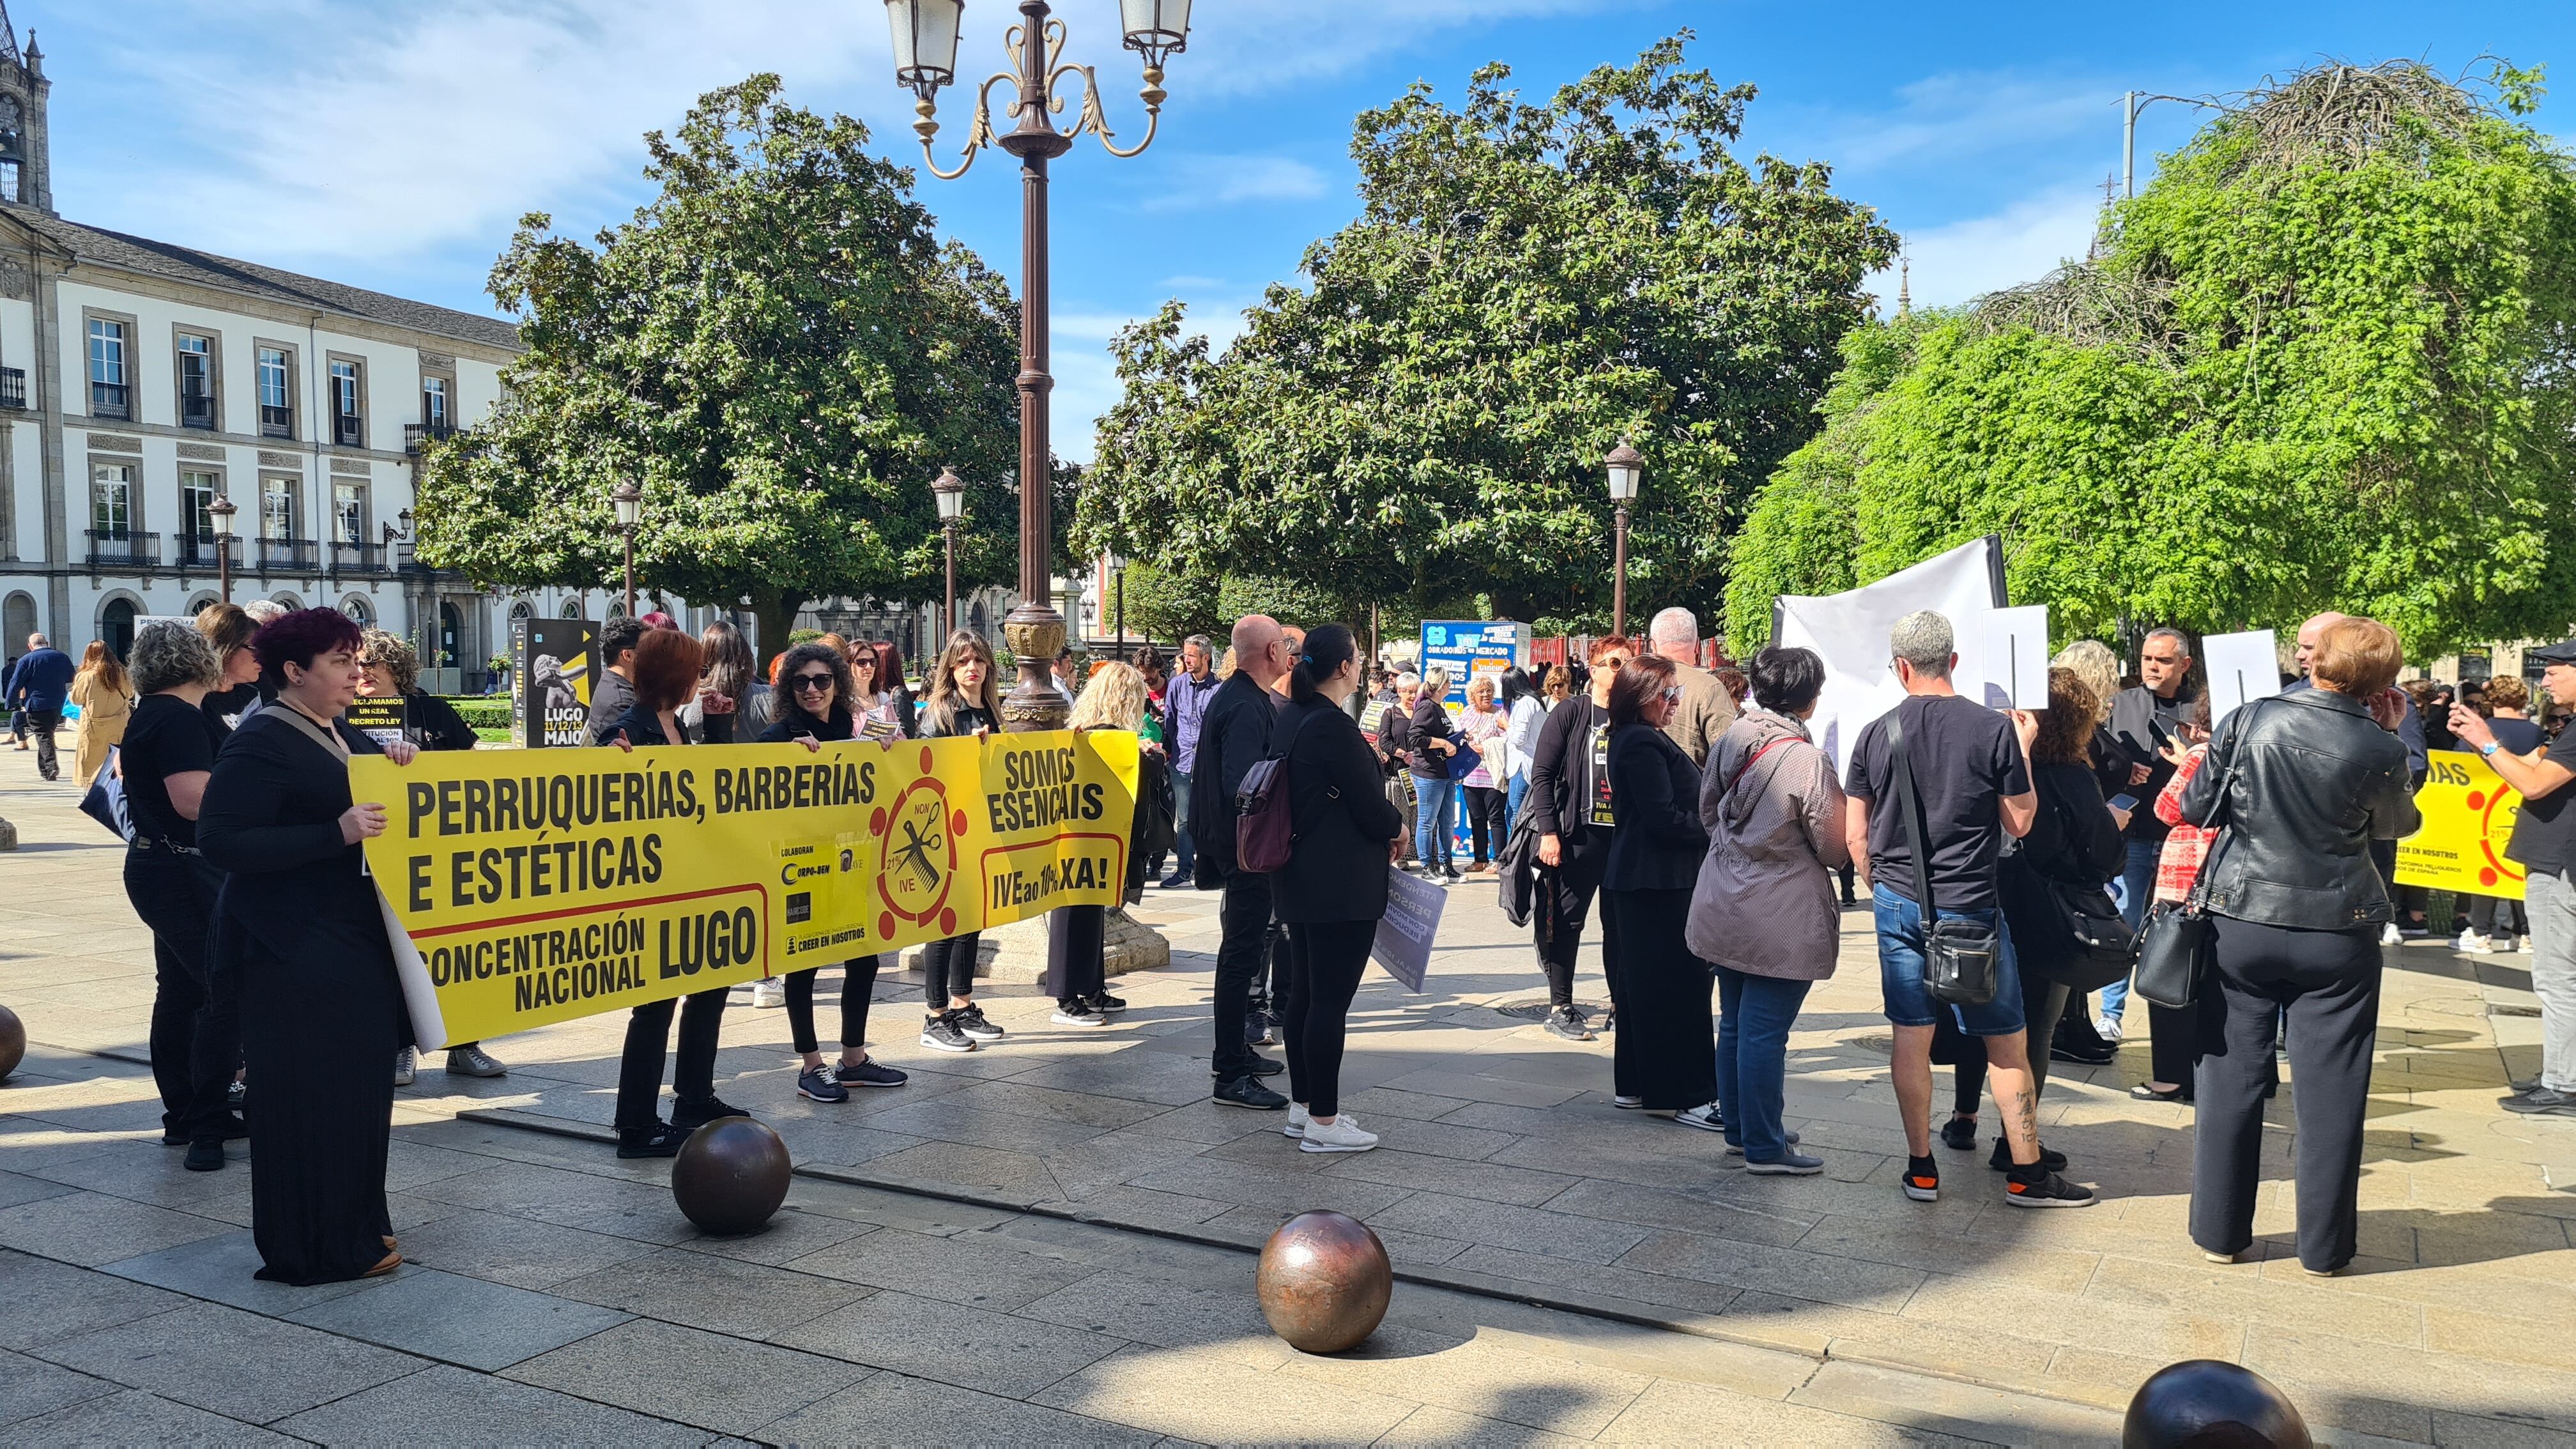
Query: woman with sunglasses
point(1665, 1051)
point(963, 702)
point(1569, 805)
point(814, 682)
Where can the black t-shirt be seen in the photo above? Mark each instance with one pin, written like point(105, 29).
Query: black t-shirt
point(2518, 736)
point(1965, 762)
point(164, 738)
point(2544, 838)
point(224, 708)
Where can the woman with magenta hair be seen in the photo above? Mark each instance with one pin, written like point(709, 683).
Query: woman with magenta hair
point(321, 1011)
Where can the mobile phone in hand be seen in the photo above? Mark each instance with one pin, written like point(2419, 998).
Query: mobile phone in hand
point(2122, 801)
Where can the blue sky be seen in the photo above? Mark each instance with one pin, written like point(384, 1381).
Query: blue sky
point(393, 145)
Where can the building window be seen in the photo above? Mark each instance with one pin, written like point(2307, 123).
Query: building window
point(435, 395)
point(111, 500)
point(348, 512)
point(276, 393)
point(196, 381)
point(348, 428)
point(197, 493)
point(109, 397)
point(277, 508)
point(358, 611)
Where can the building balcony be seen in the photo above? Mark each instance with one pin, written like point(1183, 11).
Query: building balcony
point(120, 548)
point(196, 410)
point(275, 421)
point(349, 430)
point(13, 387)
point(285, 553)
point(197, 553)
point(415, 434)
point(358, 558)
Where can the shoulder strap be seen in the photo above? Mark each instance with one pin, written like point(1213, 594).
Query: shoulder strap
point(1910, 800)
point(2199, 896)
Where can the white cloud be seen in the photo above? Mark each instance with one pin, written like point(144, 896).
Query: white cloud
point(1960, 116)
point(1199, 181)
point(2022, 243)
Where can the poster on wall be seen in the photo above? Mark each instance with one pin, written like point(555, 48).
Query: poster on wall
point(1472, 649)
point(554, 663)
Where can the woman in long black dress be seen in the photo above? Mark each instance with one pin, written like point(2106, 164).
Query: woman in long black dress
point(1078, 936)
point(321, 1011)
point(1666, 1046)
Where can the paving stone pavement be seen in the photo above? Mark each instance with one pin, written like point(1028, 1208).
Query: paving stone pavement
point(1077, 1275)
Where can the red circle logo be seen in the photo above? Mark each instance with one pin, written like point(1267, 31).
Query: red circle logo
point(917, 854)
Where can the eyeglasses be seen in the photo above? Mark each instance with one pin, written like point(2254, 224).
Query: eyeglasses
point(818, 683)
point(1673, 695)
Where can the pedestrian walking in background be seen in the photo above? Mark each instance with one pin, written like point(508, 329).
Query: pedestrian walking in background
point(1762, 911)
point(104, 696)
point(1481, 731)
point(39, 683)
point(1569, 801)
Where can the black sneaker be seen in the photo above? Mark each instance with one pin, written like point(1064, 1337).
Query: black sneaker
point(206, 1154)
point(1260, 1028)
point(2001, 1158)
point(1265, 1067)
point(1248, 1092)
point(2041, 1188)
point(1959, 1134)
point(2084, 1056)
point(816, 1085)
point(689, 1116)
point(1567, 1022)
point(970, 1020)
point(659, 1140)
point(1103, 1001)
point(2541, 1101)
point(1175, 881)
point(1922, 1179)
point(940, 1034)
point(868, 1074)
point(1073, 1011)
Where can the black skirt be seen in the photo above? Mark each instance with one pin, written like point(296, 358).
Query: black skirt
point(1665, 1046)
point(1076, 937)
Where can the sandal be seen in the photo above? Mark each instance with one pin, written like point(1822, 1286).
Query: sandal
point(391, 1262)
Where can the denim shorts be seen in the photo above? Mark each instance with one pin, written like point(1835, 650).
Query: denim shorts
point(1900, 970)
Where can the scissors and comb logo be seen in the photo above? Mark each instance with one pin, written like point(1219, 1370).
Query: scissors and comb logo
point(917, 855)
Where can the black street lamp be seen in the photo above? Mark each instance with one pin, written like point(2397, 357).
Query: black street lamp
point(630, 516)
point(950, 491)
point(1625, 465)
point(925, 58)
point(220, 513)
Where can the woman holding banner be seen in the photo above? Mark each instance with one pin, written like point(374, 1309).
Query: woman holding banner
point(299, 921)
point(1077, 936)
point(813, 687)
point(963, 703)
point(665, 675)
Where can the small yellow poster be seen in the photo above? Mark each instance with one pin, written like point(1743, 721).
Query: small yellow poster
point(2468, 820)
point(524, 887)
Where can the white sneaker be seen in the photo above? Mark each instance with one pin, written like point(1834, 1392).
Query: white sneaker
point(2523, 946)
point(1627, 1104)
point(1706, 1117)
point(2474, 944)
point(1298, 1118)
point(1342, 1134)
point(769, 991)
point(2388, 935)
point(2107, 1028)
point(406, 1067)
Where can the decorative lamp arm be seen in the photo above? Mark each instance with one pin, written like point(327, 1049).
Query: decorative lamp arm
point(1096, 120)
point(978, 135)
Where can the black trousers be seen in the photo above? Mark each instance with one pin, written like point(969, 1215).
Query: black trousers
point(948, 970)
point(1325, 961)
point(648, 1040)
point(1564, 899)
point(1665, 1048)
point(196, 1011)
point(1077, 938)
point(1244, 918)
point(44, 722)
point(1484, 820)
point(858, 983)
point(2328, 981)
point(1268, 987)
point(2173, 1043)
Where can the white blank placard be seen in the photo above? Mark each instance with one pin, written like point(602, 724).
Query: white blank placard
point(2241, 667)
point(2015, 657)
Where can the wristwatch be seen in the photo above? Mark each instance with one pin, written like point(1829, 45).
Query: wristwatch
point(2488, 749)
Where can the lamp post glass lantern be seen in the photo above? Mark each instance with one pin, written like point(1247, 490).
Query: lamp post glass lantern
point(950, 492)
point(1625, 465)
point(926, 35)
point(220, 514)
point(630, 515)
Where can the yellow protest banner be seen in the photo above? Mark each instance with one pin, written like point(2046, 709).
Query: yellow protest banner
point(2468, 819)
point(530, 886)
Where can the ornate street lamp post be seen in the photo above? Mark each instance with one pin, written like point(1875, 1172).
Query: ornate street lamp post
point(1625, 465)
point(950, 490)
point(220, 513)
point(630, 515)
point(925, 58)
point(1118, 572)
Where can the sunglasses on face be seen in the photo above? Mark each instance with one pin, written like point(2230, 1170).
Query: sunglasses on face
point(1673, 695)
point(818, 683)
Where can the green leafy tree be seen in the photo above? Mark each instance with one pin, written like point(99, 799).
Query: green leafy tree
point(1526, 284)
point(778, 349)
point(2327, 359)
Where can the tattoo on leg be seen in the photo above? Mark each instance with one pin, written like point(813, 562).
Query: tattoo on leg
point(2025, 1112)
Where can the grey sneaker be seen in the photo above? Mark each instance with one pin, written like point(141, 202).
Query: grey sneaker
point(940, 1034)
point(1791, 1164)
point(1567, 1022)
point(406, 1067)
point(2541, 1101)
point(970, 1020)
point(470, 1060)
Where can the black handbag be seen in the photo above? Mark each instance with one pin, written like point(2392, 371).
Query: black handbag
point(2105, 947)
point(1959, 955)
point(2174, 947)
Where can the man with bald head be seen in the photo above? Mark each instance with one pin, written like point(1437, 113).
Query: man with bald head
point(2410, 733)
point(1233, 736)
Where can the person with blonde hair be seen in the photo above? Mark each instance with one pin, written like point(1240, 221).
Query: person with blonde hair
point(99, 687)
point(964, 703)
point(236, 694)
point(1115, 698)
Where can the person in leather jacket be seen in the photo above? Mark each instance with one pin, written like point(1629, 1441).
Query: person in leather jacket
point(2302, 783)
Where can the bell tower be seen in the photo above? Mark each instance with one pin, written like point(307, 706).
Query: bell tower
point(25, 171)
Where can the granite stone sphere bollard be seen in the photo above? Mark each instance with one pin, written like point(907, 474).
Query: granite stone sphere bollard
point(2208, 1403)
point(13, 1042)
point(1324, 1282)
point(730, 1176)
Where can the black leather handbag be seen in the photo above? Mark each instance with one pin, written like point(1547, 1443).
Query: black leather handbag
point(2175, 945)
point(1959, 955)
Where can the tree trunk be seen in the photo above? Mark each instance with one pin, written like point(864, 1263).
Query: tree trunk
point(775, 613)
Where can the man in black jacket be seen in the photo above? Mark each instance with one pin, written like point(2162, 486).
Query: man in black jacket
point(1234, 735)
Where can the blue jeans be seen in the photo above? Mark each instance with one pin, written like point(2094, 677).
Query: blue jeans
point(1435, 806)
point(1752, 1054)
point(2138, 887)
point(1184, 854)
point(1512, 796)
point(1909, 1002)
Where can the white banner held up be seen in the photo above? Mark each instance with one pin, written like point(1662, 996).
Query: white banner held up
point(2016, 657)
point(2242, 668)
point(1849, 631)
